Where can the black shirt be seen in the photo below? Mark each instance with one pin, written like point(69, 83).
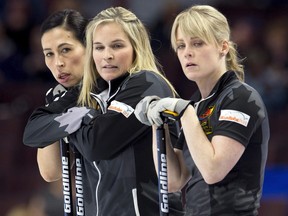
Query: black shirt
point(235, 110)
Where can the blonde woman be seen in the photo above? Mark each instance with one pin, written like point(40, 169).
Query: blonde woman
point(222, 150)
point(120, 70)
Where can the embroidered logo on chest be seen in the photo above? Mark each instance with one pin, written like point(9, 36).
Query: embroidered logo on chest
point(205, 120)
point(120, 107)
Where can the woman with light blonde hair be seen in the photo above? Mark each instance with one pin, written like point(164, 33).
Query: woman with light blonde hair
point(143, 57)
point(222, 149)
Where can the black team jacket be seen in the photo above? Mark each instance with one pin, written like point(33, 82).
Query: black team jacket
point(116, 147)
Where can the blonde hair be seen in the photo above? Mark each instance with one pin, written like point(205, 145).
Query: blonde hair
point(144, 58)
point(210, 25)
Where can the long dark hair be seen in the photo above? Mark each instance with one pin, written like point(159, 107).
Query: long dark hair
point(69, 19)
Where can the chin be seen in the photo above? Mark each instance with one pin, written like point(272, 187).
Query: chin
point(109, 78)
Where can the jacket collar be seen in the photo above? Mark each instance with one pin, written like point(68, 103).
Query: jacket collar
point(112, 85)
point(115, 84)
point(224, 80)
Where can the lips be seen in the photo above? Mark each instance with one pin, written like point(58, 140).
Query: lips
point(63, 75)
point(190, 64)
point(109, 66)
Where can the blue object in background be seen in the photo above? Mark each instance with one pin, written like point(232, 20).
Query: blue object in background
point(276, 182)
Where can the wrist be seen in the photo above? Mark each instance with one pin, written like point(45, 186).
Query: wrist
point(181, 106)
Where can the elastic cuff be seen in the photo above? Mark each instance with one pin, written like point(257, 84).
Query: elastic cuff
point(182, 106)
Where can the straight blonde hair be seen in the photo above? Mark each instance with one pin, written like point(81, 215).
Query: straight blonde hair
point(208, 24)
point(144, 58)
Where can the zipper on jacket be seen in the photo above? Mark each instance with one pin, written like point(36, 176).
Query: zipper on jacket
point(109, 92)
point(100, 98)
point(97, 188)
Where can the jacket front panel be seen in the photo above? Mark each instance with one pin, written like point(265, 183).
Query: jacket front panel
point(119, 146)
point(122, 151)
point(235, 110)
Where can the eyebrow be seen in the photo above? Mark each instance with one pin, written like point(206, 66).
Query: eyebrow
point(59, 46)
point(190, 38)
point(114, 41)
point(46, 49)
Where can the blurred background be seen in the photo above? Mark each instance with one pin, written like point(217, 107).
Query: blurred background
point(259, 27)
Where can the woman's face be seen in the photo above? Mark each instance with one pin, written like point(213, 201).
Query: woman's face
point(64, 56)
point(200, 61)
point(112, 51)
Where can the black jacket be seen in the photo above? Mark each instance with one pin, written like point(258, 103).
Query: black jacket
point(124, 180)
point(236, 110)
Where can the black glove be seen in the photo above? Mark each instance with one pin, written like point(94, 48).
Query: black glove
point(53, 94)
point(67, 100)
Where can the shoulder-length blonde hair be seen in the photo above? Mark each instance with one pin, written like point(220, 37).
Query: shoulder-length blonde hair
point(207, 23)
point(144, 58)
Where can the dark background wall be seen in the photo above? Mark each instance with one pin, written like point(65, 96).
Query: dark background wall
point(259, 27)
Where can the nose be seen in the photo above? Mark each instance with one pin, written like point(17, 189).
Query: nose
point(108, 55)
point(188, 53)
point(59, 62)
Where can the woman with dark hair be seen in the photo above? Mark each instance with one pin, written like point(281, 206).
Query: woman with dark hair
point(63, 44)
